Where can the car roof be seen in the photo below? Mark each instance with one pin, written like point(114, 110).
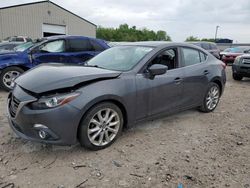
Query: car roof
point(201, 42)
point(158, 44)
point(67, 37)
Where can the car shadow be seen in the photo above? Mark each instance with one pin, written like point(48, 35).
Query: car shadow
point(133, 133)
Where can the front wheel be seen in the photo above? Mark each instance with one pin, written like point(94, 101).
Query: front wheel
point(211, 98)
point(8, 75)
point(237, 77)
point(101, 126)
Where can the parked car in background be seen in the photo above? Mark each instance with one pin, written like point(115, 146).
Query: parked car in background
point(17, 39)
point(8, 46)
point(210, 47)
point(59, 49)
point(228, 55)
point(119, 87)
point(241, 67)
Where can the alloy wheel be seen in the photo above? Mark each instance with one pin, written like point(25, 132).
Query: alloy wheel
point(103, 127)
point(9, 77)
point(212, 98)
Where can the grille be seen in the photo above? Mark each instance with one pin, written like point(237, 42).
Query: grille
point(246, 61)
point(13, 106)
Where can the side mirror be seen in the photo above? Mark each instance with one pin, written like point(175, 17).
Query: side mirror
point(157, 69)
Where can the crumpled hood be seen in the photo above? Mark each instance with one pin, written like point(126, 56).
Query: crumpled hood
point(48, 77)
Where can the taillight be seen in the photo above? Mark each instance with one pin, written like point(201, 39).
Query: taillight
point(223, 65)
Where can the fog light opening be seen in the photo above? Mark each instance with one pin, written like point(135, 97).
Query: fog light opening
point(42, 134)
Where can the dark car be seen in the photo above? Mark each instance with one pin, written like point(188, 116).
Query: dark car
point(59, 49)
point(8, 46)
point(228, 55)
point(124, 85)
point(241, 67)
point(210, 47)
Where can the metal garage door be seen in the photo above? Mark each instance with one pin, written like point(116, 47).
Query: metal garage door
point(50, 30)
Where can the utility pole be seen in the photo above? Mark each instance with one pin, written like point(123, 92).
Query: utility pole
point(216, 32)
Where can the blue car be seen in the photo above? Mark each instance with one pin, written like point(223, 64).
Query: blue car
point(57, 49)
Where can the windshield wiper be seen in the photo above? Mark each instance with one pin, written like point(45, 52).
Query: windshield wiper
point(86, 65)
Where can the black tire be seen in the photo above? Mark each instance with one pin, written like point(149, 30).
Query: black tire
point(204, 107)
point(237, 77)
point(3, 73)
point(85, 123)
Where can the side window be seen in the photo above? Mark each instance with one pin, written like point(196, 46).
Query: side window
point(79, 45)
point(168, 58)
point(191, 56)
point(96, 46)
point(19, 39)
point(54, 46)
point(203, 56)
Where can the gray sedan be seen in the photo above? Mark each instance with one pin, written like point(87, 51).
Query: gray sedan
point(124, 85)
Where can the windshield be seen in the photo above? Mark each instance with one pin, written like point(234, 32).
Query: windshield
point(23, 47)
point(235, 50)
point(120, 58)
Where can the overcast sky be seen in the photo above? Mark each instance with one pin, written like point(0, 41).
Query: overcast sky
point(179, 18)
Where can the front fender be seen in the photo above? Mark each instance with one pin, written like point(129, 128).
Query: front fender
point(16, 60)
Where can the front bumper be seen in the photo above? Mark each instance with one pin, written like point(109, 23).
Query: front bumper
point(243, 70)
point(228, 60)
point(59, 123)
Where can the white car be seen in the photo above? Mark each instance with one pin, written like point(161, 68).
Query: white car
point(17, 39)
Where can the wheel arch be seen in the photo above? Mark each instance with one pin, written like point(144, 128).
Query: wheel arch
point(219, 83)
point(115, 101)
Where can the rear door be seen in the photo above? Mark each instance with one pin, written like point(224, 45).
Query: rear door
point(80, 50)
point(50, 52)
point(196, 72)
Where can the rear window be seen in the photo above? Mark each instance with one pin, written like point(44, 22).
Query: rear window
point(213, 47)
point(205, 46)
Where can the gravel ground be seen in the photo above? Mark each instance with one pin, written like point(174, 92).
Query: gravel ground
point(192, 148)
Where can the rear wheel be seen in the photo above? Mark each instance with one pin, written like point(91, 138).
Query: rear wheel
point(237, 77)
point(211, 98)
point(8, 75)
point(101, 126)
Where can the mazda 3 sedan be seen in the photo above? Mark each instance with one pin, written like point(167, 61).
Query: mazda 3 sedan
point(124, 85)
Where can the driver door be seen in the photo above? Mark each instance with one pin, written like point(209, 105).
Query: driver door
point(50, 52)
point(166, 89)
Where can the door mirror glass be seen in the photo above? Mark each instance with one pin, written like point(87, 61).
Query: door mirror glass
point(157, 69)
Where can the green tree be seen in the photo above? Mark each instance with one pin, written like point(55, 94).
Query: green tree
point(208, 40)
point(131, 34)
point(192, 39)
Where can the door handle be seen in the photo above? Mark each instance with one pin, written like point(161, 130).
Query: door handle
point(206, 72)
point(177, 80)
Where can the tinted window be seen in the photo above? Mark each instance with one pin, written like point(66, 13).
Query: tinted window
point(19, 39)
point(79, 45)
point(54, 46)
point(205, 46)
point(191, 56)
point(96, 46)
